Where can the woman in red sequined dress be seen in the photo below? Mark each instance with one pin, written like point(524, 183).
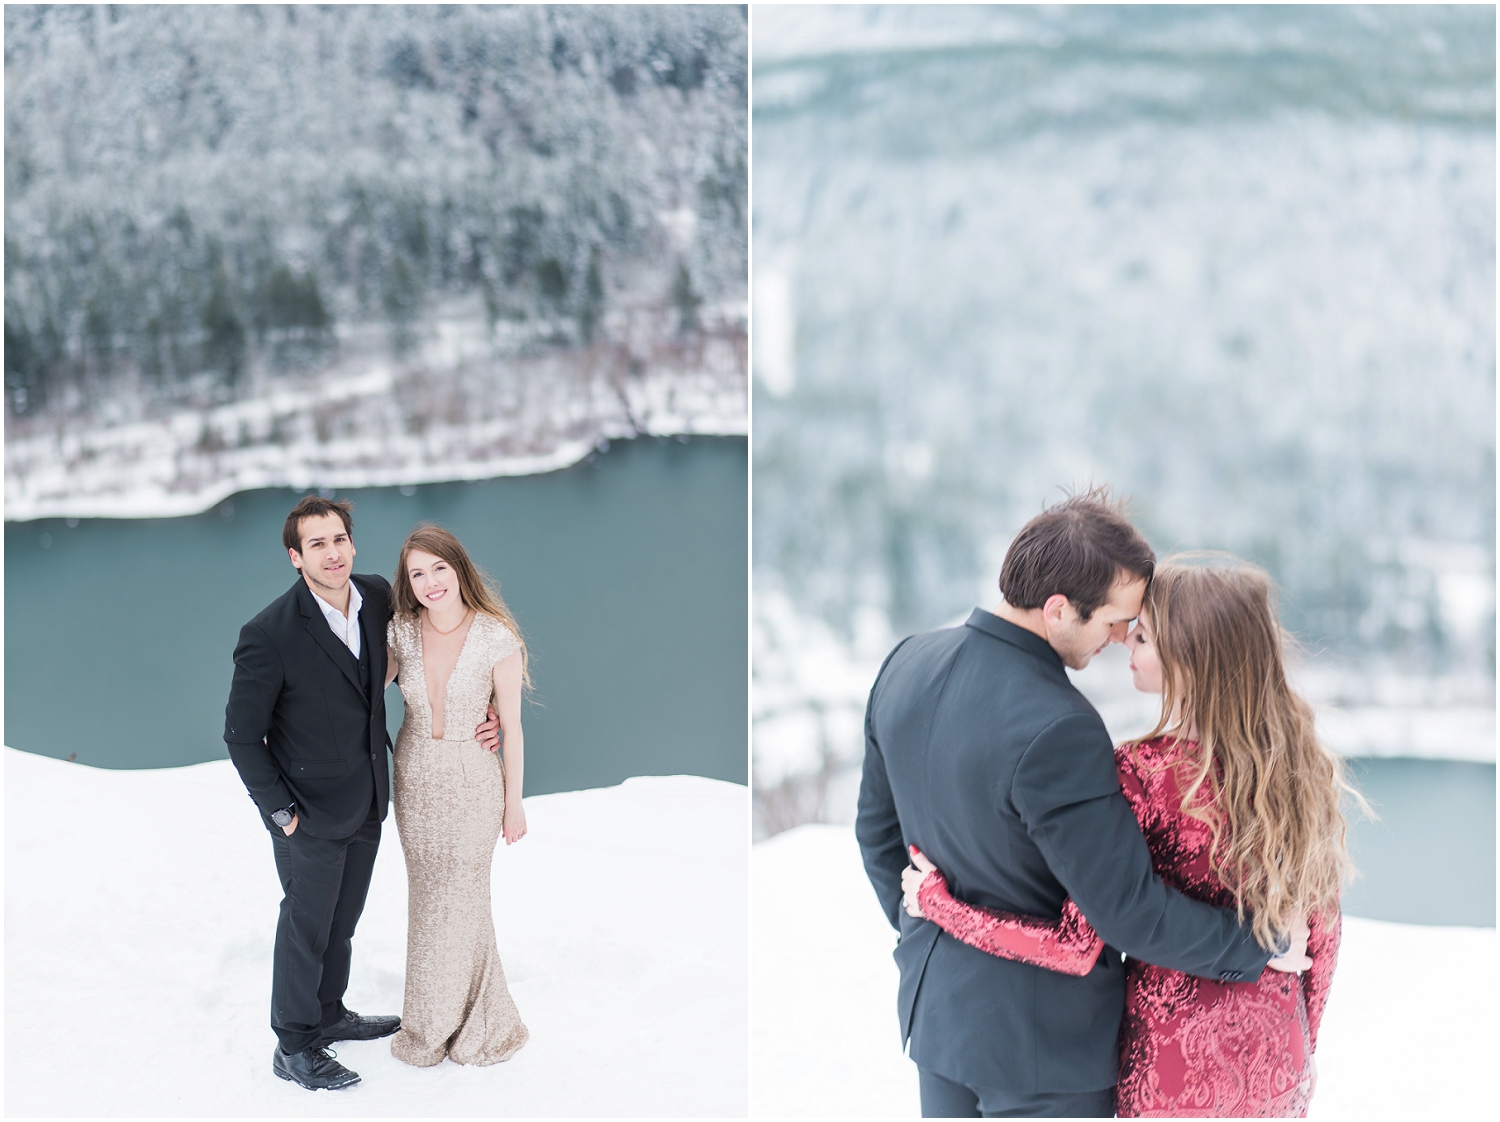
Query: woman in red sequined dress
point(1239, 804)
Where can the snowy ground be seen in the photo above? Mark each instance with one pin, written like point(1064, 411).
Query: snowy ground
point(1409, 1031)
point(138, 956)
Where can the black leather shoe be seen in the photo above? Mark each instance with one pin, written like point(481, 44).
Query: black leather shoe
point(355, 1027)
point(315, 1069)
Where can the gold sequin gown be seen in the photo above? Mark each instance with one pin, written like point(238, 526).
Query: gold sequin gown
point(449, 800)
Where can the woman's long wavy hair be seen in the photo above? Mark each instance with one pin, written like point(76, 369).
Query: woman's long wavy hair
point(477, 590)
point(1260, 779)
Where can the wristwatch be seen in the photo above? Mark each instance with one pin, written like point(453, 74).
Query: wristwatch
point(283, 817)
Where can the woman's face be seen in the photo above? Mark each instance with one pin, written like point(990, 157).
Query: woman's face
point(1145, 665)
point(434, 582)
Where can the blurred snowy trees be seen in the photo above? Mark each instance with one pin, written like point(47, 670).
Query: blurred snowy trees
point(1239, 263)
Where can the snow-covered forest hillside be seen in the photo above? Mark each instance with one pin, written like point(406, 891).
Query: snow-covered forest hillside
point(335, 245)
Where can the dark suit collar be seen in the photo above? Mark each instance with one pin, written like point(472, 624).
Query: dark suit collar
point(1007, 632)
point(317, 627)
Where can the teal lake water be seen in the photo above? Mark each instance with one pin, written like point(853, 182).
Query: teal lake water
point(627, 574)
point(1430, 855)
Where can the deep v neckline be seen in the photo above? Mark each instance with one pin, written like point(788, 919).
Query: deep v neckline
point(422, 657)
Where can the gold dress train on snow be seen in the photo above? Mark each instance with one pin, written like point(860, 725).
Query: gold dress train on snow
point(449, 800)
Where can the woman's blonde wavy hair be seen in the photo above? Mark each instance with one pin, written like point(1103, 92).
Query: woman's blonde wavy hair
point(478, 591)
point(1260, 779)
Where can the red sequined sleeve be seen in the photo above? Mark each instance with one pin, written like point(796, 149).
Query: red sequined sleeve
point(1068, 945)
point(1323, 948)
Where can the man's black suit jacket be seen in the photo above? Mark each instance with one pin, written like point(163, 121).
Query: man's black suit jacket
point(980, 752)
point(299, 725)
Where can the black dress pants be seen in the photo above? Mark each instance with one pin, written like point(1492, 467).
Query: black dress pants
point(324, 885)
point(944, 1098)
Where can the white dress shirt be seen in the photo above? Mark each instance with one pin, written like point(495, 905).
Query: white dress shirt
point(346, 628)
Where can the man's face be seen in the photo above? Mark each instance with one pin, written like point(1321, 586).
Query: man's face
point(327, 553)
point(1076, 640)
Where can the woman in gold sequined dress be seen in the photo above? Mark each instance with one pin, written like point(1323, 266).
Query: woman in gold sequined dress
point(455, 649)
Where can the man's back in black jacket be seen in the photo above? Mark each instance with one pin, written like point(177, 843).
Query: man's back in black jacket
point(980, 752)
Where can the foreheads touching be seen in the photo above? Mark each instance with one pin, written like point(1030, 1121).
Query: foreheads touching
point(1078, 572)
point(1080, 548)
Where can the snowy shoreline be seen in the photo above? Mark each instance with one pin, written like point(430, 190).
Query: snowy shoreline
point(141, 908)
point(458, 414)
point(810, 688)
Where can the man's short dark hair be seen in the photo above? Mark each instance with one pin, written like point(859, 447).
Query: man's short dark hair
point(312, 506)
point(1080, 547)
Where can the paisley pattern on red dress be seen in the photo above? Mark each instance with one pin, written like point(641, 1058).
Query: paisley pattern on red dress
point(1189, 1046)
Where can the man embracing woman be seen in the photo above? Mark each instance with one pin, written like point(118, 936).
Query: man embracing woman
point(1087, 929)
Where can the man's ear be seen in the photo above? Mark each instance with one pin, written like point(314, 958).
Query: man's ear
point(296, 559)
point(1055, 610)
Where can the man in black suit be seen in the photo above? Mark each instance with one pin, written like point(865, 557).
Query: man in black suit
point(980, 752)
point(305, 726)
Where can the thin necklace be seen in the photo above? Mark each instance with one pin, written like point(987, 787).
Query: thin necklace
point(450, 630)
